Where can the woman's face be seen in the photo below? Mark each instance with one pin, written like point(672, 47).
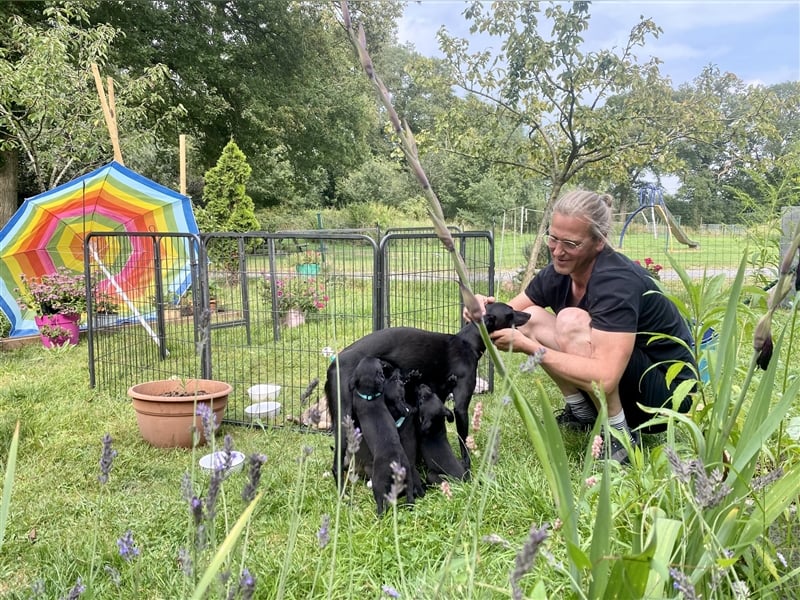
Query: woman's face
point(571, 245)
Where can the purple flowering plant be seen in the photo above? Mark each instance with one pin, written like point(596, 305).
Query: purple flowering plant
point(62, 292)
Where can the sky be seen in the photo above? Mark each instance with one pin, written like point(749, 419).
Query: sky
point(758, 40)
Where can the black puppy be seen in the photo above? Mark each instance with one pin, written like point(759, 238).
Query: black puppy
point(405, 418)
point(394, 396)
point(434, 448)
point(379, 431)
point(436, 356)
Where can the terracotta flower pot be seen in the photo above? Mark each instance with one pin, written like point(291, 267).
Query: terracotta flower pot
point(166, 409)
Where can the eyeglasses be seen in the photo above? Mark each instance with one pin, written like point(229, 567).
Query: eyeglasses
point(568, 245)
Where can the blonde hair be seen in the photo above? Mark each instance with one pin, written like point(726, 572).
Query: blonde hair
point(593, 207)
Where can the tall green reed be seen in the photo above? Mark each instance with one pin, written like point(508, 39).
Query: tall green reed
point(672, 531)
point(8, 483)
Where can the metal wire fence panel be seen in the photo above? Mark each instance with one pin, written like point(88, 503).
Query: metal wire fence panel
point(290, 301)
point(136, 328)
point(420, 285)
point(234, 319)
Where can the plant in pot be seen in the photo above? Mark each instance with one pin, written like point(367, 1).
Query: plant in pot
point(105, 308)
point(169, 411)
point(214, 303)
point(186, 305)
point(308, 263)
point(58, 299)
point(295, 298)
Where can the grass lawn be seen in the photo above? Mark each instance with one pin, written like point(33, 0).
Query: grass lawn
point(64, 524)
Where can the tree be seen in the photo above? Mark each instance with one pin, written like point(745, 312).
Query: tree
point(50, 115)
point(227, 205)
point(276, 74)
point(575, 110)
point(744, 150)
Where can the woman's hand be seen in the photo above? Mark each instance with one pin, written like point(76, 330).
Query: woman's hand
point(513, 339)
point(483, 301)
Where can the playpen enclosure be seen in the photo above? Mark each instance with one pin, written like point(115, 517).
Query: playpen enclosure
point(229, 322)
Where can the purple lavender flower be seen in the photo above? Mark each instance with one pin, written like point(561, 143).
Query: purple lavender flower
point(208, 419)
point(196, 508)
point(710, 490)
point(76, 591)
point(390, 591)
point(113, 574)
point(106, 459)
point(683, 584)
point(214, 486)
point(533, 360)
point(186, 487)
point(524, 560)
point(247, 583)
point(256, 461)
point(185, 561)
point(353, 434)
point(759, 483)
point(323, 535)
point(398, 481)
point(127, 546)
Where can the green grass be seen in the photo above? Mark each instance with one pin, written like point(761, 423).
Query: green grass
point(77, 521)
point(64, 525)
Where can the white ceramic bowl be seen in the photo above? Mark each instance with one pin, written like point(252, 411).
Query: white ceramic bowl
point(215, 460)
point(263, 392)
point(263, 410)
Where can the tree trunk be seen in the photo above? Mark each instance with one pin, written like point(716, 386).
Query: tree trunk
point(533, 259)
point(8, 185)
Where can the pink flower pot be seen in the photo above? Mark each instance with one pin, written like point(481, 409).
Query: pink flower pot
point(67, 322)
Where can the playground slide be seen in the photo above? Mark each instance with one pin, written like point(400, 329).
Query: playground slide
point(677, 231)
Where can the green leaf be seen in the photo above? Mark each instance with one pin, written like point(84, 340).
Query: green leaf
point(8, 483)
point(224, 550)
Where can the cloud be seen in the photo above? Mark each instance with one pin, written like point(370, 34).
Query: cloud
point(756, 40)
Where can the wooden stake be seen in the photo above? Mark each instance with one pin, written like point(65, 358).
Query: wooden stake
point(108, 111)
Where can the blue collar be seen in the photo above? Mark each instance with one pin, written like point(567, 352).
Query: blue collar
point(368, 396)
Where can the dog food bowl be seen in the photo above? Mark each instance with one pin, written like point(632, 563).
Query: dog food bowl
point(263, 391)
point(215, 460)
point(263, 410)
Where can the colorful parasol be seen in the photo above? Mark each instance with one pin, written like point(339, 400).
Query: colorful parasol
point(48, 231)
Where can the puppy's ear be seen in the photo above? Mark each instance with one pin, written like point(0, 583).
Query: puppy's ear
point(520, 318)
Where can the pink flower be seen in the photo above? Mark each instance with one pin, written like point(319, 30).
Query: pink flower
point(591, 481)
point(476, 416)
point(445, 487)
point(648, 261)
point(597, 446)
point(470, 443)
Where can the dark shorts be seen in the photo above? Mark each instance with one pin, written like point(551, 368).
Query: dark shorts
point(649, 390)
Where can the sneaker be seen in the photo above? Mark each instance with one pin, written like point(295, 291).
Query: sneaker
point(617, 451)
point(569, 420)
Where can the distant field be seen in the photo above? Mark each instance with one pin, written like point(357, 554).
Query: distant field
point(716, 252)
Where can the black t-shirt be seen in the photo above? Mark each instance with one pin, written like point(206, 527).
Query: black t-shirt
point(616, 298)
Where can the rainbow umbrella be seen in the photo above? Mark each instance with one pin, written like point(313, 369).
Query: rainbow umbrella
point(48, 231)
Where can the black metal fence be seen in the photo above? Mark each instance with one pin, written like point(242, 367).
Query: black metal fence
point(221, 307)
